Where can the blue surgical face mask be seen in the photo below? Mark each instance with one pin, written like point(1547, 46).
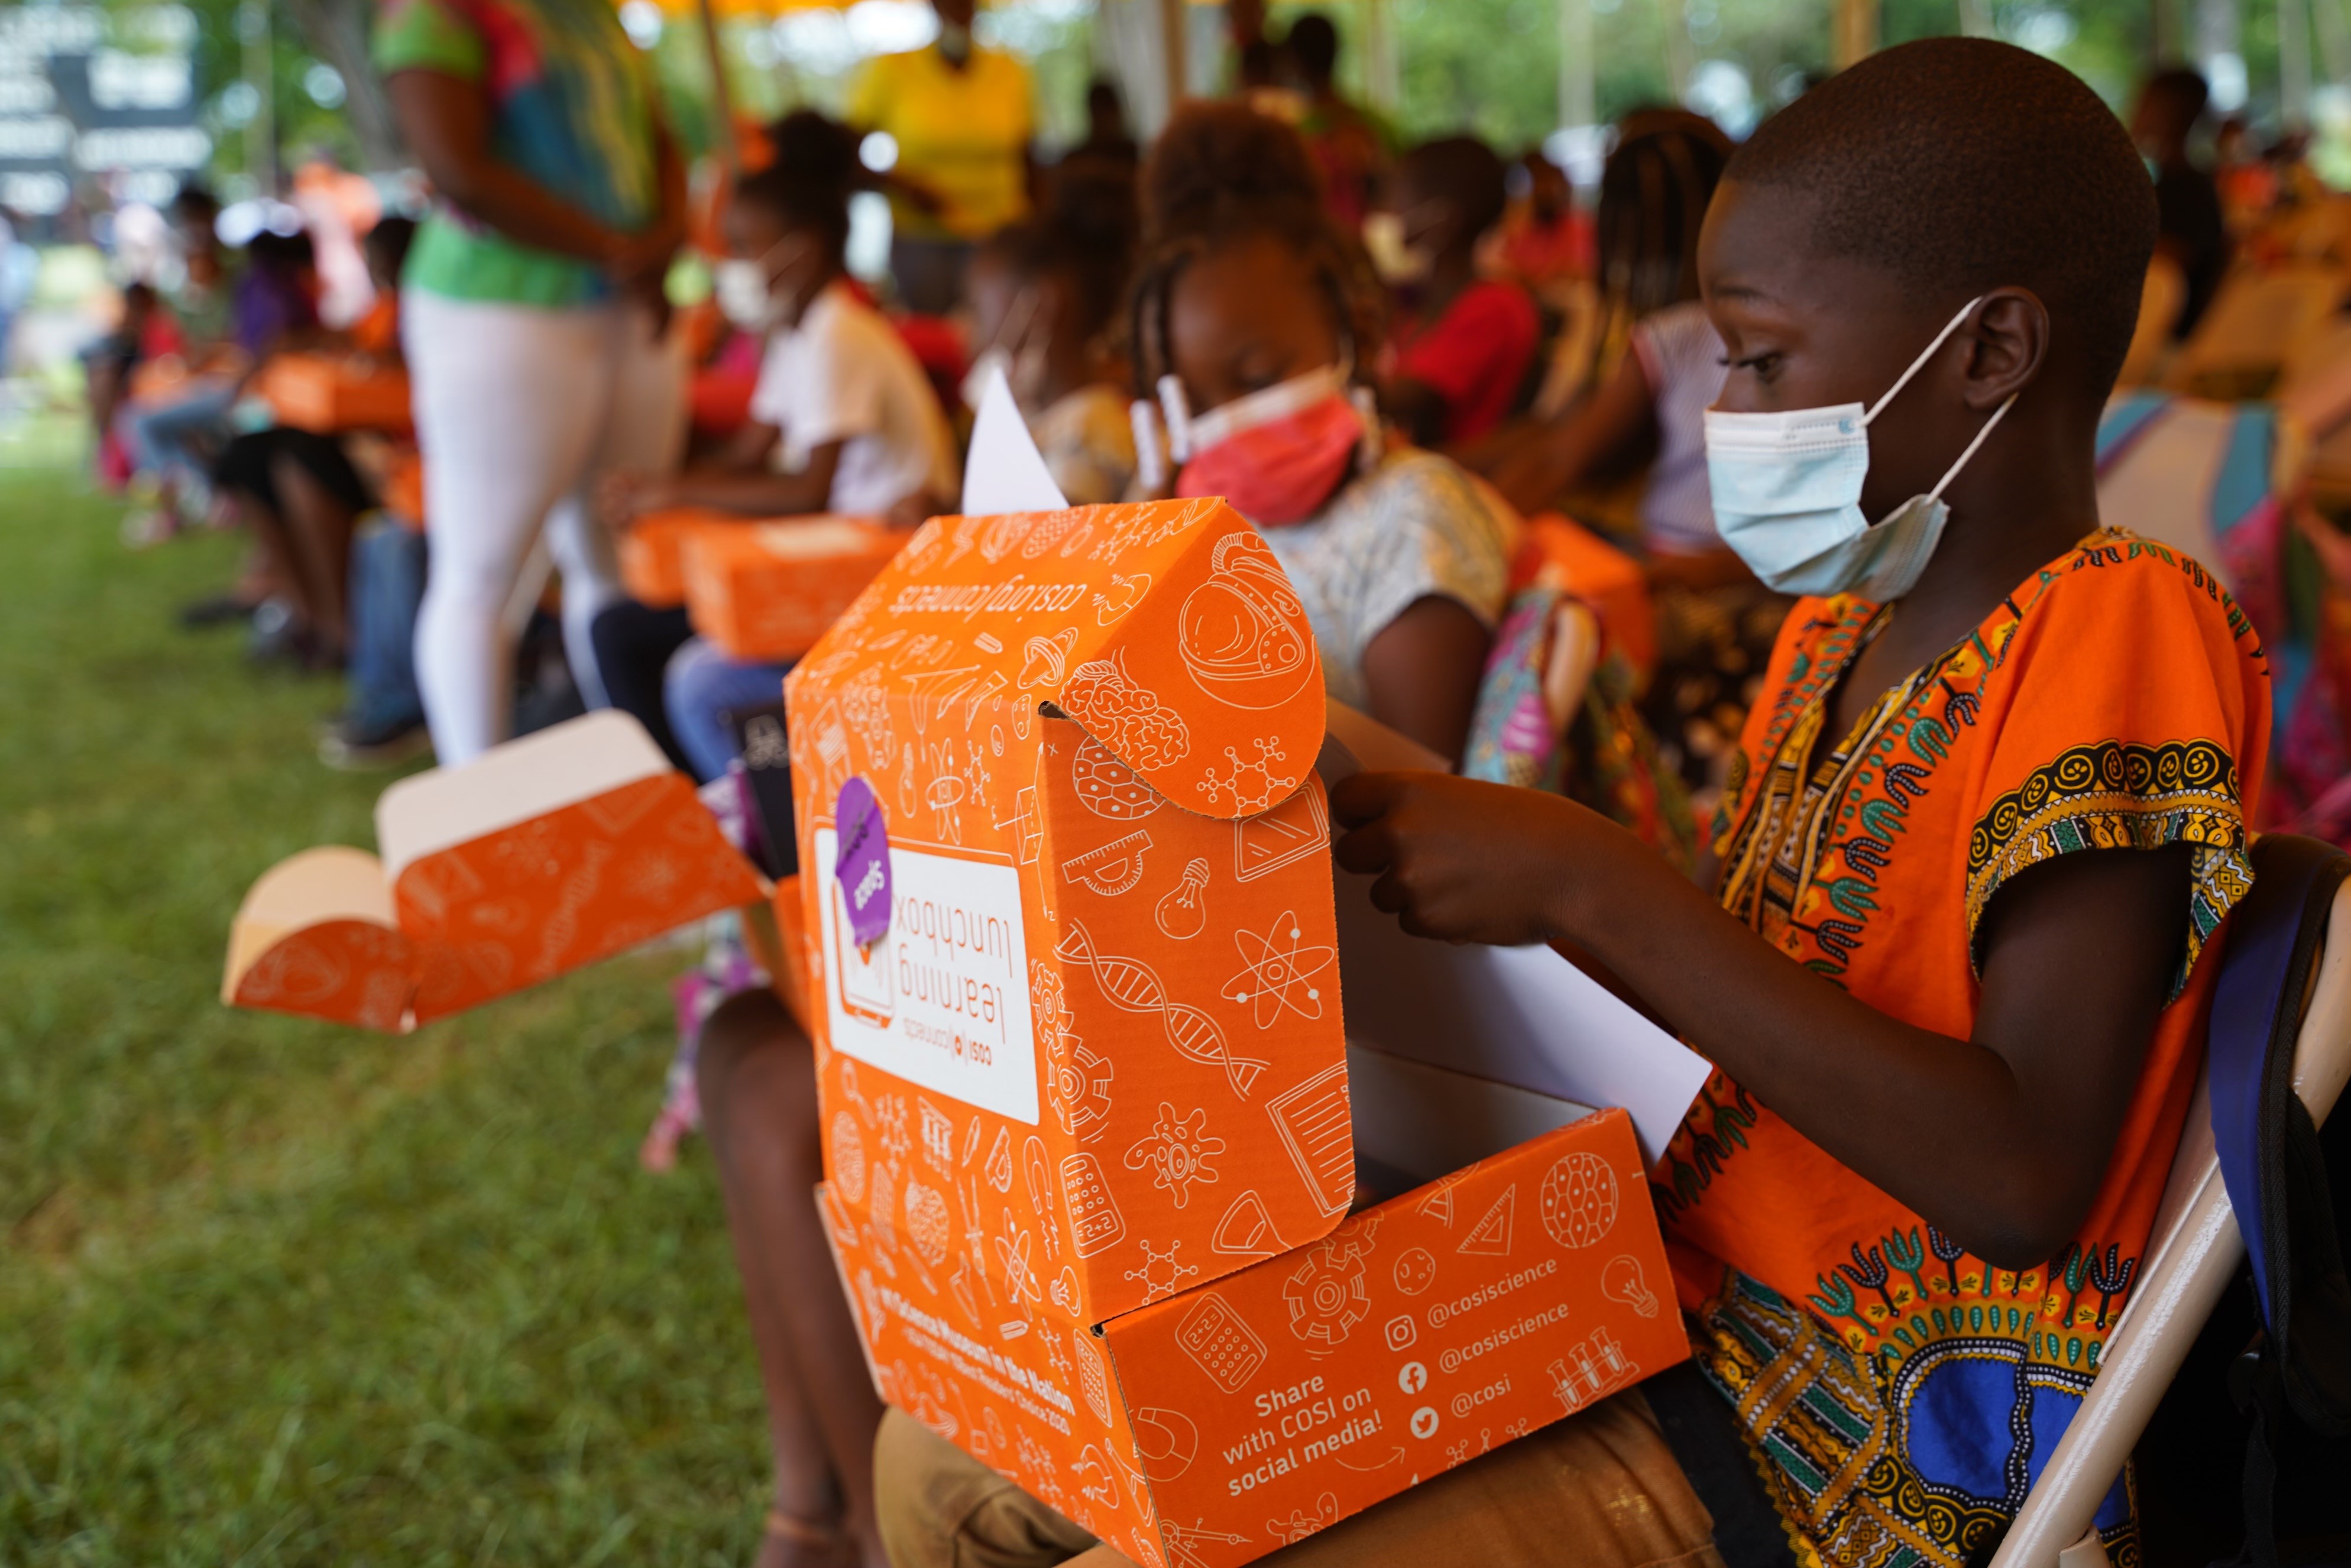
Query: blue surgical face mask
point(1787, 496)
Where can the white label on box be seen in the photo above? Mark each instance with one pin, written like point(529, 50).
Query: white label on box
point(942, 1000)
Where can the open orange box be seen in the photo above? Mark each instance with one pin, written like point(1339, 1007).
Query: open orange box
point(333, 392)
point(1092, 1125)
point(541, 856)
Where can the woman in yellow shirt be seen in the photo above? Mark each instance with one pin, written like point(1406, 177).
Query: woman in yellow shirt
point(960, 116)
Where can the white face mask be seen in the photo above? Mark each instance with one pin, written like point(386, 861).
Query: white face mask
point(1398, 261)
point(1787, 496)
point(745, 295)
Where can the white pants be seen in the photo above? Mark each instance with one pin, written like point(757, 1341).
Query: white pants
point(518, 410)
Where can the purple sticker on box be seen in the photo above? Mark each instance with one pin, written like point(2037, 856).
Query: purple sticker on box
point(861, 865)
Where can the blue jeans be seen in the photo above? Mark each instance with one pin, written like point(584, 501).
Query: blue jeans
point(387, 586)
point(700, 688)
point(165, 437)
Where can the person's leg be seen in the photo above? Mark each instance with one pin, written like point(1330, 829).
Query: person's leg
point(387, 585)
point(1599, 1489)
point(320, 497)
point(701, 686)
point(242, 475)
point(508, 401)
point(633, 644)
point(756, 1073)
point(643, 431)
point(938, 1507)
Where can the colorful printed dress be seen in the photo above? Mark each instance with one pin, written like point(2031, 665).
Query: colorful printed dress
point(571, 106)
point(1898, 1395)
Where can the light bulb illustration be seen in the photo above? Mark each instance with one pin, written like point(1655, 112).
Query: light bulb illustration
point(1182, 912)
point(1621, 1282)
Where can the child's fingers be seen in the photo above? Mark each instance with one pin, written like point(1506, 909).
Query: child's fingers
point(1362, 797)
point(1366, 849)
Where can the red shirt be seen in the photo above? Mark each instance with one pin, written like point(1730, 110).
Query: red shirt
point(1475, 356)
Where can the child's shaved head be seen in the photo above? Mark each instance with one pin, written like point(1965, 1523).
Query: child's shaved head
point(1961, 164)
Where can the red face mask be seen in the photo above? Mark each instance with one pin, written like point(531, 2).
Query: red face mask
point(1277, 454)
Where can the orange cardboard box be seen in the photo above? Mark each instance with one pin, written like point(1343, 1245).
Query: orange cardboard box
point(1089, 1136)
point(1222, 1421)
point(769, 590)
point(331, 393)
point(1091, 734)
point(541, 856)
point(652, 552)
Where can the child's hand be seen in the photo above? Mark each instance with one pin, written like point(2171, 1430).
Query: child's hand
point(622, 499)
point(1467, 861)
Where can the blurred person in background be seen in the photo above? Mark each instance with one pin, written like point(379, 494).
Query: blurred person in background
point(534, 319)
point(1716, 623)
point(1547, 239)
point(842, 421)
point(2193, 232)
point(1108, 138)
point(962, 119)
point(1463, 344)
point(1045, 298)
point(1351, 147)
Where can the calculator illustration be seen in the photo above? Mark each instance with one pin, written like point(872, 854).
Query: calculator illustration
point(1094, 1219)
point(1223, 1346)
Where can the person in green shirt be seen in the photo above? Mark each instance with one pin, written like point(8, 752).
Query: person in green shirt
point(534, 326)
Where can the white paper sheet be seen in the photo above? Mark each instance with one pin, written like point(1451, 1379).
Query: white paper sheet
point(1006, 473)
point(1521, 1015)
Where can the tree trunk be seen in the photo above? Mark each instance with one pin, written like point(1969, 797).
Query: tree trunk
point(337, 32)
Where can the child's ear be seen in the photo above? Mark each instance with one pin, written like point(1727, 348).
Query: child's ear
point(2010, 336)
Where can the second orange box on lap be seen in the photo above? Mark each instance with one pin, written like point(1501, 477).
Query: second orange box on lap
point(759, 590)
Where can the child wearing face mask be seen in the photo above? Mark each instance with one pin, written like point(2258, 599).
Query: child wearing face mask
point(1044, 300)
point(842, 421)
point(1975, 860)
point(1253, 315)
point(1462, 353)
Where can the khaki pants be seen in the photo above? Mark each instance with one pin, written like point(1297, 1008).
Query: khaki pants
point(1599, 1489)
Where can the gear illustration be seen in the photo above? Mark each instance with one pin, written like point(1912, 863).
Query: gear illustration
point(1327, 1296)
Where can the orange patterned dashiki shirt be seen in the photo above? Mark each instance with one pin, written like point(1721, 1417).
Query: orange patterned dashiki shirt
point(1898, 1395)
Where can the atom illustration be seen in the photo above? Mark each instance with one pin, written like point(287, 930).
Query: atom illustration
point(1279, 972)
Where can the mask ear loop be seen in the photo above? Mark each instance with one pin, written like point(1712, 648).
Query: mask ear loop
point(1921, 363)
point(1981, 436)
point(1178, 410)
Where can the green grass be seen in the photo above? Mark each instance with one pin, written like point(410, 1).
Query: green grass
point(278, 1292)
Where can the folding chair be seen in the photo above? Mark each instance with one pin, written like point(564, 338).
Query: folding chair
point(2194, 1252)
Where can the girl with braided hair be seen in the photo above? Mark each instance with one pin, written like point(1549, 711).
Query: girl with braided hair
point(1255, 319)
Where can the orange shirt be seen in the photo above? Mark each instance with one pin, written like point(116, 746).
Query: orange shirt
point(1899, 1394)
point(377, 332)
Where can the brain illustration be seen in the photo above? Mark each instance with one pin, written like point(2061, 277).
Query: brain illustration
point(1579, 1199)
point(1109, 787)
point(926, 1223)
point(848, 1157)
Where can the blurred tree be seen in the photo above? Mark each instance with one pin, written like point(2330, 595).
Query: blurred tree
point(337, 32)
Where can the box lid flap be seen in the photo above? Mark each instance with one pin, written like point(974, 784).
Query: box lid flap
point(1167, 628)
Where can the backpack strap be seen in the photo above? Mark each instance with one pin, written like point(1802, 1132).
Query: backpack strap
point(2298, 1372)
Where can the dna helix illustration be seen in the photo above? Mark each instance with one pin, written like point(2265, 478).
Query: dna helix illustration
point(1135, 987)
